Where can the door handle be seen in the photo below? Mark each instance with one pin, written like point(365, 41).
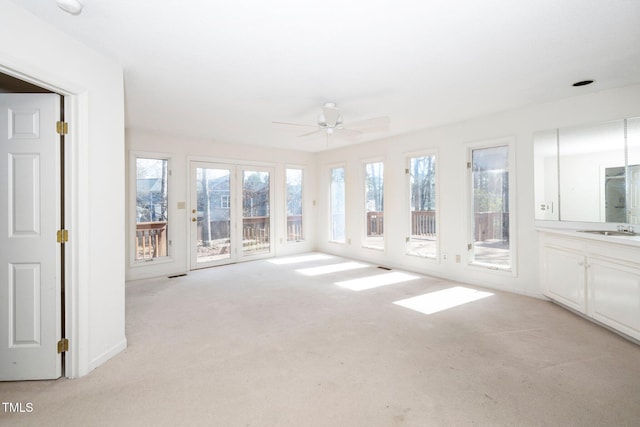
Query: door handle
point(193, 220)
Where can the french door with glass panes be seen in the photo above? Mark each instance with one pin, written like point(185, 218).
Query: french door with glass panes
point(230, 213)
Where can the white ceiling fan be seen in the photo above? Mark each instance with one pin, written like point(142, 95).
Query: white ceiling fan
point(330, 123)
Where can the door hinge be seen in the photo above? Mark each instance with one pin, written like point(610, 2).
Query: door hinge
point(63, 345)
point(469, 246)
point(62, 128)
point(406, 171)
point(468, 165)
point(62, 236)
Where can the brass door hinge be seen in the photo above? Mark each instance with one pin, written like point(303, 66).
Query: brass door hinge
point(63, 236)
point(62, 128)
point(63, 345)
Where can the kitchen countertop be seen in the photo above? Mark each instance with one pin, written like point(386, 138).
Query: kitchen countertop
point(576, 233)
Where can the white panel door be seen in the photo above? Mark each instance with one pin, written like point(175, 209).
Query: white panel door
point(30, 324)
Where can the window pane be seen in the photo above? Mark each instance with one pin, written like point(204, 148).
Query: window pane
point(491, 207)
point(294, 205)
point(374, 205)
point(255, 212)
point(151, 208)
point(337, 205)
point(422, 189)
point(214, 214)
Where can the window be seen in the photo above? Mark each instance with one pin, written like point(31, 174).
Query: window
point(374, 205)
point(224, 201)
point(490, 201)
point(423, 235)
point(151, 209)
point(337, 202)
point(294, 205)
point(256, 216)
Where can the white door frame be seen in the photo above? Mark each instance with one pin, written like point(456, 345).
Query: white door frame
point(193, 207)
point(239, 190)
point(76, 208)
point(236, 186)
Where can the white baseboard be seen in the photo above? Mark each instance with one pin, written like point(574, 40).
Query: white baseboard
point(108, 354)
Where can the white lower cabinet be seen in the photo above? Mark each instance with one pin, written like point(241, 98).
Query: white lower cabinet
point(564, 277)
point(598, 279)
point(614, 295)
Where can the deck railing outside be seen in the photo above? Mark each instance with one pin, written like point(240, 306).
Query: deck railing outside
point(151, 237)
point(255, 233)
point(294, 228)
point(151, 240)
point(423, 223)
point(375, 223)
point(492, 226)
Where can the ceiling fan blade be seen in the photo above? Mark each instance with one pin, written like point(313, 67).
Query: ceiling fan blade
point(376, 124)
point(294, 124)
point(310, 133)
point(348, 133)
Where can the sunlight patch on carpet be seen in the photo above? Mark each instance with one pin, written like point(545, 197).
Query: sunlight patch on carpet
point(442, 300)
point(297, 259)
point(332, 268)
point(376, 281)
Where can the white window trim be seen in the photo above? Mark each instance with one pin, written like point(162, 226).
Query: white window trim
point(408, 157)
point(330, 169)
point(304, 204)
point(363, 203)
point(239, 169)
point(133, 155)
point(510, 143)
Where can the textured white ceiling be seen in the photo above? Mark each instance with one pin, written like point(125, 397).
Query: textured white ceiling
point(225, 70)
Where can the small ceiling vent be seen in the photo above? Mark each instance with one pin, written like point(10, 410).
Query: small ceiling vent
point(583, 83)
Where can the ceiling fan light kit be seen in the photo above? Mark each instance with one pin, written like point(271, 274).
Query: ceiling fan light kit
point(72, 7)
point(330, 116)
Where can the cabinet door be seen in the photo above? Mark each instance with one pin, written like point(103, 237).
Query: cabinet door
point(563, 277)
point(614, 295)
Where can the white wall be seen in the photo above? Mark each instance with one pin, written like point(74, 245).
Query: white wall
point(181, 150)
point(451, 143)
point(34, 51)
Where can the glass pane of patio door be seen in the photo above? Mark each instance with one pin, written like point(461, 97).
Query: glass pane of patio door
point(211, 214)
point(256, 211)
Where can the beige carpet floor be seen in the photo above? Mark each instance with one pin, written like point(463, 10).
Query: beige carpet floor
point(291, 344)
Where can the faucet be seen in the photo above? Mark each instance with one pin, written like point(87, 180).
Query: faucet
point(625, 229)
